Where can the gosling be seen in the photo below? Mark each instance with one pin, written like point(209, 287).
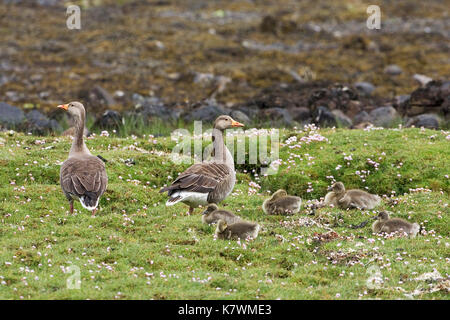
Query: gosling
point(238, 230)
point(212, 214)
point(351, 199)
point(387, 225)
point(281, 203)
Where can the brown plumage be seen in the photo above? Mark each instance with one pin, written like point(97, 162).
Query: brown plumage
point(389, 225)
point(281, 203)
point(209, 181)
point(238, 230)
point(354, 198)
point(82, 175)
point(212, 214)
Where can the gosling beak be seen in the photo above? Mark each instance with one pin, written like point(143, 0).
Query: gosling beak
point(64, 106)
point(236, 124)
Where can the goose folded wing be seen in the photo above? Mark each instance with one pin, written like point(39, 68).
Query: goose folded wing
point(202, 177)
point(82, 177)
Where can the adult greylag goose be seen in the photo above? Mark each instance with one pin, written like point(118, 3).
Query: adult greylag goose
point(388, 225)
point(82, 175)
point(209, 181)
point(237, 230)
point(212, 214)
point(354, 198)
point(281, 203)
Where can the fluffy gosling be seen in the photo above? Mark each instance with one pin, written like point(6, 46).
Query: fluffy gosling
point(385, 224)
point(212, 214)
point(354, 198)
point(238, 230)
point(281, 203)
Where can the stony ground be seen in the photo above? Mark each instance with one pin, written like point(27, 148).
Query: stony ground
point(181, 51)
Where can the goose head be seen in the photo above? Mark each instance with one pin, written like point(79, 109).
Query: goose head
point(75, 109)
point(221, 226)
point(337, 188)
point(226, 122)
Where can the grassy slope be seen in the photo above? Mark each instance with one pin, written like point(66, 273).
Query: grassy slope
point(136, 248)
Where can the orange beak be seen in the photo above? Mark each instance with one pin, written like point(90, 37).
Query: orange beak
point(64, 106)
point(236, 124)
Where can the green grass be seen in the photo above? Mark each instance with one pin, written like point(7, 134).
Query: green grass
point(136, 248)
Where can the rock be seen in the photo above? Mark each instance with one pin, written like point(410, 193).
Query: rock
point(39, 123)
point(421, 79)
point(428, 120)
point(384, 116)
point(240, 116)
point(208, 112)
point(10, 116)
point(97, 99)
point(323, 117)
point(402, 99)
point(150, 108)
point(365, 88)
point(361, 117)
point(300, 114)
point(110, 119)
point(277, 116)
point(342, 119)
point(393, 70)
point(433, 98)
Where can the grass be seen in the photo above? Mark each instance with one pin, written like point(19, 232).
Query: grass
point(137, 248)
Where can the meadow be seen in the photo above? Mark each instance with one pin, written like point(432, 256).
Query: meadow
point(137, 248)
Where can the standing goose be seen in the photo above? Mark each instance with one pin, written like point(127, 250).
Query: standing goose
point(209, 181)
point(82, 175)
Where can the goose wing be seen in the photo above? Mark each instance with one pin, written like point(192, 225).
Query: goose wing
point(201, 177)
point(84, 176)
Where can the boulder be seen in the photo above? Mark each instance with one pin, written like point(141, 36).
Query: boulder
point(240, 116)
point(428, 120)
point(342, 119)
point(208, 111)
point(300, 114)
point(393, 70)
point(365, 88)
point(39, 123)
point(384, 116)
point(10, 116)
point(361, 117)
point(323, 117)
point(109, 119)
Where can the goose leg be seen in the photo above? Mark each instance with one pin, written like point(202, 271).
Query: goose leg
point(71, 206)
point(94, 211)
point(191, 210)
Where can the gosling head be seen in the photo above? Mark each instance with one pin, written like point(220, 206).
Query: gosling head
point(221, 226)
point(225, 122)
point(278, 194)
point(74, 108)
point(337, 188)
point(210, 208)
point(383, 216)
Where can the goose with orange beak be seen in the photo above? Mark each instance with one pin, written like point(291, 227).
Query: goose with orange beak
point(210, 181)
point(82, 175)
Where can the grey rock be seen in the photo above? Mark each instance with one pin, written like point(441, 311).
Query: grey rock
point(240, 116)
point(384, 116)
point(277, 116)
point(402, 99)
point(300, 114)
point(10, 116)
point(39, 123)
point(153, 107)
point(208, 112)
point(342, 119)
point(361, 117)
point(427, 120)
point(366, 88)
point(393, 70)
point(421, 79)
